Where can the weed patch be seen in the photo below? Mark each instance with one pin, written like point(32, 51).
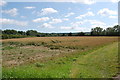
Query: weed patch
point(39, 64)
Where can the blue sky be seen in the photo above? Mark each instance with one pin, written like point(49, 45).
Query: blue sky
point(58, 16)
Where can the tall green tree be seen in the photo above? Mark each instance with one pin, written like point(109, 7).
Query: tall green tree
point(96, 31)
point(117, 29)
point(110, 31)
point(31, 32)
point(70, 34)
point(10, 32)
point(21, 32)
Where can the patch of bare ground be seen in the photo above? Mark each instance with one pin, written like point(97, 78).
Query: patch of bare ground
point(28, 50)
point(38, 53)
point(116, 78)
point(13, 63)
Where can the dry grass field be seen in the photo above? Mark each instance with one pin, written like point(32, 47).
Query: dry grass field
point(40, 54)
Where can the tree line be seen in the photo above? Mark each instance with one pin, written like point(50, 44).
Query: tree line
point(110, 31)
point(98, 31)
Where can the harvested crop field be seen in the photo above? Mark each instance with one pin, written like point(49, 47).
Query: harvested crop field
point(40, 54)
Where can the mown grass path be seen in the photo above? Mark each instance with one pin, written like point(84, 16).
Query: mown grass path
point(100, 63)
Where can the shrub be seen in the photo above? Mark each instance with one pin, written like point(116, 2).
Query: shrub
point(54, 47)
point(82, 48)
point(43, 43)
point(8, 48)
point(31, 43)
point(10, 36)
point(74, 59)
point(39, 64)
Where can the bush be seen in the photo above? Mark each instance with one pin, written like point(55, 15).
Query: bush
point(39, 64)
point(9, 36)
point(74, 59)
point(54, 47)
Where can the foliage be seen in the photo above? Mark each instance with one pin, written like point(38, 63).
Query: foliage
point(39, 64)
point(98, 31)
point(31, 33)
point(7, 36)
point(110, 31)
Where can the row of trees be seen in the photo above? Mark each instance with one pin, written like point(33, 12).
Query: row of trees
point(8, 34)
point(14, 32)
point(111, 31)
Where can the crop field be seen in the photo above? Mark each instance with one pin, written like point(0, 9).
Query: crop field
point(60, 57)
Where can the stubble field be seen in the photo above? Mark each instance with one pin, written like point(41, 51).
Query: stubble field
point(60, 57)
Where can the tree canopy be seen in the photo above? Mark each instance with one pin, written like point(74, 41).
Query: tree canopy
point(97, 31)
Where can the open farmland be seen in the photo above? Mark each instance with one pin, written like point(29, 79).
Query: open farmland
point(60, 57)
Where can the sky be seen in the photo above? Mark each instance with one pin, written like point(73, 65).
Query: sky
point(58, 17)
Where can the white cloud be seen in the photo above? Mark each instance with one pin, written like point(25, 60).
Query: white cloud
point(83, 29)
point(89, 9)
point(115, 24)
point(34, 12)
point(46, 25)
point(23, 16)
point(2, 2)
point(113, 17)
point(102, 26)
point(85, 15)
point(66, 19)
point(106, 12)
point(69, 14)
point(46, 11)
point(41, 19)
point(75, 28)
point(114, 1)
point(12, 12)
point(89, 2)
point(87, 21)
point(79, 23)
point(76, 24)
point(93, 23)
point(13, 22)
point(96, 23)
point(66, 28)
point(29, 7)
point(51, 23)
point(55, 21)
